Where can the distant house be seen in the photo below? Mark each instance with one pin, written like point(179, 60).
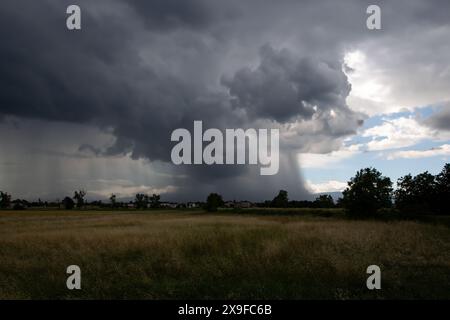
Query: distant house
point(192, 205)
point(238, 204)
point(130, 205)
point(229, 204)
point(170, 205)
point(243, 204)
point(18, 204)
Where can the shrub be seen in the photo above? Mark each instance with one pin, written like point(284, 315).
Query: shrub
point(68, 203)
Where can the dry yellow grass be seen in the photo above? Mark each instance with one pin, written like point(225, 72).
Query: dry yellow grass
point(184, 255)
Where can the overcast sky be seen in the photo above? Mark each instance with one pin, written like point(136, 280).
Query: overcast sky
point(95, 108)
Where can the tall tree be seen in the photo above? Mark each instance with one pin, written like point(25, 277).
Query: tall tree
point(416, 194)
point(367, 192)
point(5, 200)
point(281, 200)
point(213, 202)
point(154, 201)
point(443, 190)
point(112, 198)
point(141, 201)
point(79, 198)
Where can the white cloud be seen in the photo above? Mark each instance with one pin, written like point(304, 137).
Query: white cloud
point(443, 150)
point(322, 160)
point(393, 73)
point(328, 186)
point(370, 93)
point(399, 133)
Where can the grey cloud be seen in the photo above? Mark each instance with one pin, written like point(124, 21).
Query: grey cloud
point(140, 69)
point(284, 87)
point(441, 119)
point(171, 14)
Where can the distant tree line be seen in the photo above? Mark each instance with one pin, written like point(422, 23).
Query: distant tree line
point(369, 191)
point(366, 193)
point(424, 193)
point(282, 201)
point(143, 201)
point(78, 201)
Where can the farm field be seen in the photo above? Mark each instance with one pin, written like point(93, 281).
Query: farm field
point(195, 255)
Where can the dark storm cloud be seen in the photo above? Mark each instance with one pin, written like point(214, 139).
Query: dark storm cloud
point(126, 73)
point(49, 73)
point(140, 69)
point(171, 14)
point(441, 119)
point(101, 74)
point(283, 87)
point(94, 76)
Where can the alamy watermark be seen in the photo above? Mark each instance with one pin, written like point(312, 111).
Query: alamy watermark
point(231, 151)
point(373, 22)
point(73, 21)
point(374, 280)
point(74, 280)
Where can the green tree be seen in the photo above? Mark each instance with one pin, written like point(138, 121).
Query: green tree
point(281, 200)
point(5, 200)
point(141, 201)
point(213, 202)
point(113, 200)
point(324, 201)
point(443, 190)
point(79, 198)
point(68, 203)
point(154, 201)
point(416, 194)
point(367, 192)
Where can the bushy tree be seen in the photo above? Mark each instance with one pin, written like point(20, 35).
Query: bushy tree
point(324, 201)
point(443, 190)
point(19, 204)
point(155, 201)
point(416, 194)
point(367, 192)
point(213, 202)
point(79, 198)
point(68, 203)
point(339, 202)
point(5, 200)
point(281, 200)
point(141, 201)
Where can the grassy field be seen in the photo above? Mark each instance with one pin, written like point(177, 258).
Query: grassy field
point(194, 255)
